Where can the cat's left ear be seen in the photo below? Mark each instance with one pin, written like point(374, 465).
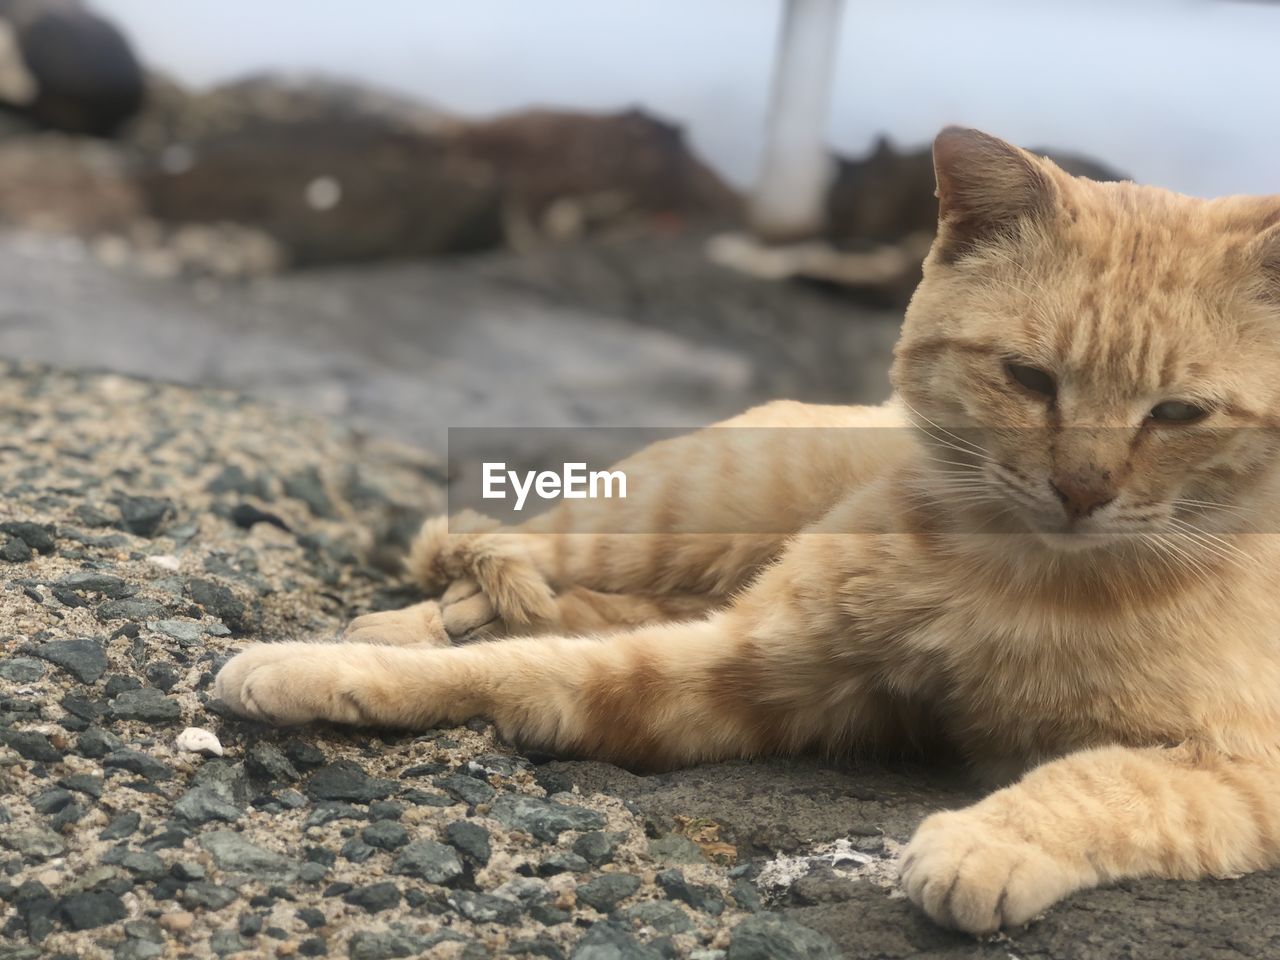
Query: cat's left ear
point(1265, 252)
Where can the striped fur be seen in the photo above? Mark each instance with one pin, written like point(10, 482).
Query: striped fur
point(906, 576)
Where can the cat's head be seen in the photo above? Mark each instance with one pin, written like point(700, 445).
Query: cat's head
point(1093, 358)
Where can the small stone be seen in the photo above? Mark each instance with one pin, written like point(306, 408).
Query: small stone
point(467, 789)
point(385, 835)
point(267, 761)
point(87, 911)
point(144, 515)
point(198, 740)
point(607, 940)
point(219, 601)
point(146, 703)
point(207, 896)
point(231, 851)
point(21, 669)
point(595, 847)
point(700, 897)
point(138, 609)
point(345, 780)
point(31, 745)
point(562, 862)
point(82, 658)
point(375, 897)
point(313, 947)
point(125, 825)
point(205, 803)
point(85, 783)
point(41, 537)
point(659, 915)
point(97, 743)
point(544, 819)
point(51, 801)
point(312, 917)
point(93, 581)
point(428, 860)
point(386, 945)
point(470, 839)
point(15, 550)
point(308, 486)
point(606, 891)
point(676, 849)
point(766, 936)
point(357, 851)
point(35, 843)
point(303, 755)
point(135, 761)
point(186, 632)
point(386, 810)
point(745, 895)
point(483, 907)
point(225, 942)
point(143, 865)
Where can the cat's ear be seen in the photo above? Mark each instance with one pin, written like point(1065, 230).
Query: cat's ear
point(1266, 254)
point(985, 186)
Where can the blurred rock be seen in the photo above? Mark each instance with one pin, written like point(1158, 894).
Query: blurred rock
point(336, 172)
point(65, 68)
point(567, 175)
point(333, 190)
point(59, 183)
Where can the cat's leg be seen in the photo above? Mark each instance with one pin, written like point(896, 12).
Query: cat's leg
point(1090, 818)
point(704, 513)
point(650, 698)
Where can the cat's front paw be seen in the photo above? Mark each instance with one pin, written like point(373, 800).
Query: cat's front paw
point(974, 876)
point(292, 683)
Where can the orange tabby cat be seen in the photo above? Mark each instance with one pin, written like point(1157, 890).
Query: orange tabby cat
point(1090, 374)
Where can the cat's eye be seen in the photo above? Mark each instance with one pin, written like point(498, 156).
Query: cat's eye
point(1177, 411)
point(1033, 378)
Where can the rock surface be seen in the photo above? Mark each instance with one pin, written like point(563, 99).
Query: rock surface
point(115, 842)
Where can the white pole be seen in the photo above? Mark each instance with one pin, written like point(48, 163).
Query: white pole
point(790, 196)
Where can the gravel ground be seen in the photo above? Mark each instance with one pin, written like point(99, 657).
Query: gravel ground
point(147, 531)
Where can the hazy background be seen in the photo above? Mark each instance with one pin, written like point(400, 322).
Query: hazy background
point(1179, 93)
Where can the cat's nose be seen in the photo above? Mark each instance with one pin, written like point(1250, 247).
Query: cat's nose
point(1081, 494)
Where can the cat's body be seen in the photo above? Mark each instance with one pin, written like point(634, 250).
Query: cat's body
point(1009, 559)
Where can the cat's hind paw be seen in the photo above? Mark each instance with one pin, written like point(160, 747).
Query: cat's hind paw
point(422, 624)
point(970, 875)
point(476, 551)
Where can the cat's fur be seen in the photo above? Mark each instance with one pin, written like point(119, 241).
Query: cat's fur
point(1132, 664)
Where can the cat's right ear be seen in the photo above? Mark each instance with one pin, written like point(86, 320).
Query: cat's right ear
point(985, 187)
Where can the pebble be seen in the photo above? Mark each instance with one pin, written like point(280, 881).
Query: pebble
point(204, 803)
point(186, 632)
point(374, 897)
point(469, 839)
point(21, 669)
point(345, 780)
point(179, 921)
point(82, 658)
point(86, 911)
point(483, 907)
point(267, 761)
point(135, 761)
point(146, 703)
point(469, 790)
point(198, 740)
point(767, 936)
point(608, 940)
point(660, 916)
point(31, 745)
point(544, 819)
point(704, 898)
point(606, 891)
point(385, 835)
point(430, 861)
point(231, 851)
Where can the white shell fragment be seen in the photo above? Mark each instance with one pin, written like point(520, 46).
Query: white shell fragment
point(198, 740)
point(166, 562)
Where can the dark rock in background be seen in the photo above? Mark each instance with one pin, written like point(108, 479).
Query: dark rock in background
point(83, 75)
